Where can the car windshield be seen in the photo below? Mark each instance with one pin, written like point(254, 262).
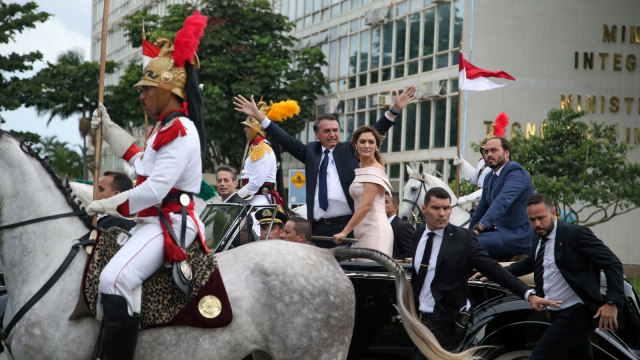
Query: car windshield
point(220, 221)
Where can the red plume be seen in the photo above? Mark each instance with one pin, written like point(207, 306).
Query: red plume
point(188, 38)
point(501, 123)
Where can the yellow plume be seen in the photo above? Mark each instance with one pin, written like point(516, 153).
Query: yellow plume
point(283, 109)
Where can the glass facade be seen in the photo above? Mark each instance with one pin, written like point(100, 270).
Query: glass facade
point(371, 50)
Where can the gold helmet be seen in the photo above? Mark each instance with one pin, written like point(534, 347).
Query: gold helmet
point(161, 72)
point(275, 112)
point(254, 124)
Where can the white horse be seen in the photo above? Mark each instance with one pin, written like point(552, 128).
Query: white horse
point(415, 189)
point(289, 300)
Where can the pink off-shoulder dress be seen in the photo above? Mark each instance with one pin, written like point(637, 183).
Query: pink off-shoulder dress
point(374, 231)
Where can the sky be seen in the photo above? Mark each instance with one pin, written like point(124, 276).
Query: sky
point(68, 28)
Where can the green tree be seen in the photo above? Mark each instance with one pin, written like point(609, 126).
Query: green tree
point(582, 167)
point(14, 19)
point(68, 87)
point(245, 50)
point(63, 158)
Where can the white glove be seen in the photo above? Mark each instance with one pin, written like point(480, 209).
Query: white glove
point(119, 140)
point(244, 193)
point(456, 159)
point(109, 205)
point(474, 196)
point(466, 170)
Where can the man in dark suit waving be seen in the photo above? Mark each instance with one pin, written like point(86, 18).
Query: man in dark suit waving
point(440, 280)
point(566, 261)
point(329, 205)
point(500, 221)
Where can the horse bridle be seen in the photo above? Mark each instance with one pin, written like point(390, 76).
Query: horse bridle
point(414, 204)
point(82, 242)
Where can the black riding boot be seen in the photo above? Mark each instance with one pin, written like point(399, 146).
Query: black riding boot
point(118, 332)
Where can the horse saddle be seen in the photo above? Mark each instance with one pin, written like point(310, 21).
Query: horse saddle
point(163, 303)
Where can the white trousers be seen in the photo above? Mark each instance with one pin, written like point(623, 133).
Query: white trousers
point(141, 256)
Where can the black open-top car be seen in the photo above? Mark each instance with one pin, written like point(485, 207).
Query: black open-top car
point(503, 322)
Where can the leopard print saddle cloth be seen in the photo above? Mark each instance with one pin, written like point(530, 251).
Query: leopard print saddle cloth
point(163, 304)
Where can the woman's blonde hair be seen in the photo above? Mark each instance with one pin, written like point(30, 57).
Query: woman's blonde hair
point(368, 129)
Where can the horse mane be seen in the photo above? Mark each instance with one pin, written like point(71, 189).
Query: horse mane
point(70, 197)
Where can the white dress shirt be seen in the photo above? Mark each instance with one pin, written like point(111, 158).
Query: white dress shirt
point(338, 205)
point(554, 285)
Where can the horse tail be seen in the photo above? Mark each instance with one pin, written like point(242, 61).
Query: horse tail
point(421, 336)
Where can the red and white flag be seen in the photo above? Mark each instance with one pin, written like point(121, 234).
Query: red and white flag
point(148, 52)
point(473, 78)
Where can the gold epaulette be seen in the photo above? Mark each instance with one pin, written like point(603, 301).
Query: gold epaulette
point(258, 151)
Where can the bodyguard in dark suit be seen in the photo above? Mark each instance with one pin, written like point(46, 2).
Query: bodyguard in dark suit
point(440, 280)
point(403, 245)
point(566, 261)
point(500, 221)
point(329, 213)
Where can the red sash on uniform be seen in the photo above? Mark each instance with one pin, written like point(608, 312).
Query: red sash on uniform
point(172, 252)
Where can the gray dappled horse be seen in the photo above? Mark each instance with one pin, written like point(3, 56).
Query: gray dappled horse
point(418, 184)
point(289, 301)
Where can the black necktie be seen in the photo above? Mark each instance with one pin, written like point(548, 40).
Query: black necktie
point(424, 264)
point(322, 182)
point(538, 270)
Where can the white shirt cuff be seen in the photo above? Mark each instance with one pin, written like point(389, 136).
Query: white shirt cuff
point(385, 115)
point(526, 294)
point(265, 123)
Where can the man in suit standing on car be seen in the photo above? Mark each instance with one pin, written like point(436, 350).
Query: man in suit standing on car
point(443, 260)
point(566, 261)
point(329, 163)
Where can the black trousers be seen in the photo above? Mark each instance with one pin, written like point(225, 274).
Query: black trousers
point(324, 228)
point(444, 333)
point(568, 336)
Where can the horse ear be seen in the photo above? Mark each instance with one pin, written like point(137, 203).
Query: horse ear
point(65, 181)
point(409, 170)
point(421, 168)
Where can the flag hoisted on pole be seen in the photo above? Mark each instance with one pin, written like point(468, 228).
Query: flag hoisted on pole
point(476, 79)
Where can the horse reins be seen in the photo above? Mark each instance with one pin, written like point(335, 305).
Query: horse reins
point(77, 211)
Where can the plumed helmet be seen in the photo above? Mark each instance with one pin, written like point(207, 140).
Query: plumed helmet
point(275, 112)
point(498, 126)
point(254, 124)
point(161, 71)
point(167, 70)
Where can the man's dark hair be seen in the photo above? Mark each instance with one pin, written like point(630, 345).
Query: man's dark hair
point(506, 145)
point(536, 199)
point(301, 225)
point(234, 172)
point(395, 197)
point(321, 117)
point(120, 182)
point(436, 192)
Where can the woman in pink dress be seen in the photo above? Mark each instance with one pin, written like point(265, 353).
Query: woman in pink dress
point(369, 222)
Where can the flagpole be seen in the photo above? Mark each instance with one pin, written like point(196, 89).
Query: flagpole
point(146, 119)
point(103, 62)
point(459, 140)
